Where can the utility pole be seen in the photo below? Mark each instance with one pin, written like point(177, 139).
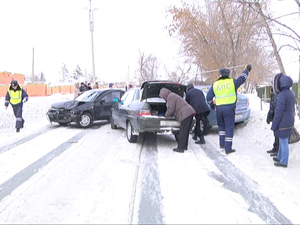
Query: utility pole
point(91, 21)
point(32, 76)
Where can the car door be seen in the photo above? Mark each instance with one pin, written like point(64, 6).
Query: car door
point(124, 110)
point(104, 103)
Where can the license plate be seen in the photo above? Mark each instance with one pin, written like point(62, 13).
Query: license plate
point(238, 117)
point(169, 123)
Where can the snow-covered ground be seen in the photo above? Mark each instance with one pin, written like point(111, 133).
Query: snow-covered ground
point(183, 177)
point(254, 131)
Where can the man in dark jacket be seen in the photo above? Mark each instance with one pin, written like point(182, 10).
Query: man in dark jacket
point(270, 116)
point(183, 112)
point(82, 87)
point(196, 99)
point(284, 116)
point(225, 91)
point(16, 96)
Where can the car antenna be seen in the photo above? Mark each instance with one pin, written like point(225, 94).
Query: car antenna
point(210, 71)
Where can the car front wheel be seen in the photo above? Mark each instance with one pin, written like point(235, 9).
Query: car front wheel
point(129, 133)
point(85, 120)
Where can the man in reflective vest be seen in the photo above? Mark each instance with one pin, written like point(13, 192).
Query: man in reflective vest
point(16, 96)
point(225, 89)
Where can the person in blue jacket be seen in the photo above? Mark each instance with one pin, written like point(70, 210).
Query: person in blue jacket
point(196, 99)
point(284, 117)
point(225, 91)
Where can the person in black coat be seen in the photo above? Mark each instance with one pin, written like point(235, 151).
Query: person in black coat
point(16, 96)
point(196, 99)
point(82, 87)
point(270, 116)
point(284, 116)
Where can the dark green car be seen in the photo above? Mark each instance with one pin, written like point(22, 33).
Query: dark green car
point(142, 110)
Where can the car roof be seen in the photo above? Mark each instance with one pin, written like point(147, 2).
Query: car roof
point(204, 88)
point(105, 89)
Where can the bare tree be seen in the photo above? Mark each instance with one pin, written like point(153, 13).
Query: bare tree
point(147, 67)
point(224, 34)
point(181, 74)
point(64, 73)
point(286, 31)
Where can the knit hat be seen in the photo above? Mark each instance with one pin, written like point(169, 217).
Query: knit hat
point(14, 83)
point(224, 72)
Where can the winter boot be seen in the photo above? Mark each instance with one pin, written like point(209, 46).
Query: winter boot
point(202, 141)
point(230, 151)
point(272, 151)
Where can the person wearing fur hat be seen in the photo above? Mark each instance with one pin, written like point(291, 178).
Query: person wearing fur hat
point(284, 116)
point(16, 96)
point(225, 92)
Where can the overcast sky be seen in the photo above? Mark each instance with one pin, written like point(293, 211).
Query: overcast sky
point(58, 30)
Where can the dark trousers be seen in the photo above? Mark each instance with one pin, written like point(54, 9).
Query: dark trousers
point(198, 130)
point(226, 120)
point(184, 132)
point(18, 110)
point(276, 144)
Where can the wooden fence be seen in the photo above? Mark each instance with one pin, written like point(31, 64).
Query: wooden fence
point(40, 89)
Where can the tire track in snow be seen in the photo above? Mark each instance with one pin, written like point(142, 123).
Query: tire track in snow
point(18, 179)
point(150, 207)
point(236, 181)
point(13, 144)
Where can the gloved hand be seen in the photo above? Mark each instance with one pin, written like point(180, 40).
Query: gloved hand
point(212, 105)
point(270, 116)
point(248, 67)
point(268, 120)
point(24, 100)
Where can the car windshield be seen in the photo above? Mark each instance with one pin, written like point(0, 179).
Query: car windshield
point(88, 96)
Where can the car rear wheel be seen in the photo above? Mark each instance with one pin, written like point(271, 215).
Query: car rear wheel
point(85, 120)
point(129, 133)
point(112, 123)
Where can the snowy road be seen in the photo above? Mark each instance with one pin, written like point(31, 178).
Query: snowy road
point(71, 175)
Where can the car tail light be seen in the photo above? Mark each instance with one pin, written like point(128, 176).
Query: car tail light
point(145, 113)
point(247, 102)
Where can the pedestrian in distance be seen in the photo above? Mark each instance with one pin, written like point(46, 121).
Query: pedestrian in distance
point(86, 85)
point(270, 116)
point(96, 86)
point(183, 112)
point(196, 99)
point(225, 91)
point(89, 86)
point(284, 116)
point(76, 90)
point(16, 96)
point(82, 87)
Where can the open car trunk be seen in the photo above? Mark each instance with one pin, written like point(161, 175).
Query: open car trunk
point(158, 109)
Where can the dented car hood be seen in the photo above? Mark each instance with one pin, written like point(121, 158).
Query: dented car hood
point(66, 104)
